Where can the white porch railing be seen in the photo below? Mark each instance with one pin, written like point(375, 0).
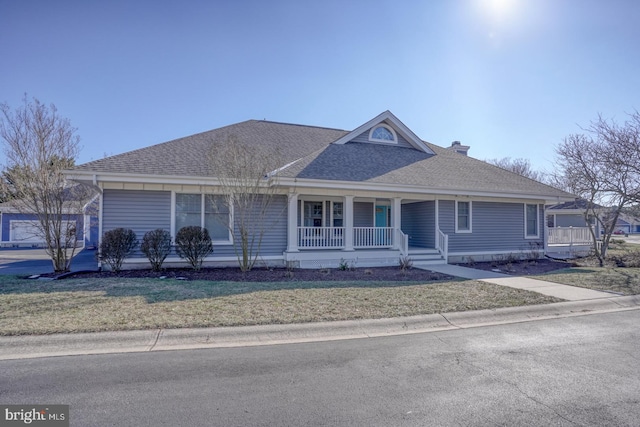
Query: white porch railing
point(442, 244)
point(320, 237)
point(363, 238)
point(372, 237)
point(402, 242)
point(569, 236)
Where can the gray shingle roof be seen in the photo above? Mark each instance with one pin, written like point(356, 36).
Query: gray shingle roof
point(447, 170)
point(189, 156)
point(314, 157)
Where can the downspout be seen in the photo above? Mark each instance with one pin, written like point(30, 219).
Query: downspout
point(100, 210)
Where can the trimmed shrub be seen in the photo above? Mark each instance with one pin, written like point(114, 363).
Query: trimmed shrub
point(156, 245)
point(116, 245)
point(193, 244)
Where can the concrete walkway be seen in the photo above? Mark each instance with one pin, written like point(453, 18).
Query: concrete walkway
point(566, 292)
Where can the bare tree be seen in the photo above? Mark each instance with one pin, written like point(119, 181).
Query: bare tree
point(248, 178)
point(39, 145)
point(602, 166)
point(519, 166)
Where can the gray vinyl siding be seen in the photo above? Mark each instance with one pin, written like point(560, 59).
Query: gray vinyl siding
point(362, 214)
point(495, 227)
point(418, 222)
point(138, 210)
point(143, 211)
point(364, 137)
point(274, 240)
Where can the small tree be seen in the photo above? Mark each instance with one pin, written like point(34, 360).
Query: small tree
point(194, 244)
point(248, 176)
point(156, 245)
point(602, 166)
point(39, 145)
point(116, 245)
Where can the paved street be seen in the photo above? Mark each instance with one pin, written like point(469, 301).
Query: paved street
point(571, 371)
point(27, 261)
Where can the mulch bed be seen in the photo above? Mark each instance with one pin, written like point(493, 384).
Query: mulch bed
point(390, 274)
point(275, 274)
point(523, 268)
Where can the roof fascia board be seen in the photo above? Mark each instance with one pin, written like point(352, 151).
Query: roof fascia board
point(347, 185)
point(387, 115)
point(303, 183)
point(142, 179)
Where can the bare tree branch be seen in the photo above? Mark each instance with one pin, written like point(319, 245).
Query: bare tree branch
point(519, 166)
point(602, 166)
point(39, 145)
point(248, 179)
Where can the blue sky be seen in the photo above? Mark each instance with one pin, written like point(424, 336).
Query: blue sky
point(510, 78)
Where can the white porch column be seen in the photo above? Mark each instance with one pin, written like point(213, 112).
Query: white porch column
point(348, 223)
point(292, 221)
point(396, 218)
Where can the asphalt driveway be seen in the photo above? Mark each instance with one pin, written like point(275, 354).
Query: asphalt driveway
point(27, 261)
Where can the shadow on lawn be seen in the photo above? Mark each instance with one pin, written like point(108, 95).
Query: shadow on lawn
point(167, 290)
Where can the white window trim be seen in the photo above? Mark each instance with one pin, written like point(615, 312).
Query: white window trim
point(470, 230)
point(384, 141)
point(537, 235)
point(228, 241)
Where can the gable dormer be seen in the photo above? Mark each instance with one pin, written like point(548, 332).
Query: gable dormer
point(385, 129)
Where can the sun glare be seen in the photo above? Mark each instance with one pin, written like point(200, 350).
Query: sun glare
point(498, 9)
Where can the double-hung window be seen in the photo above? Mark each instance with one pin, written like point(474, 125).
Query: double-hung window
point(313, 213)
point(463, 217)
point(210, 211)
point(531, 221)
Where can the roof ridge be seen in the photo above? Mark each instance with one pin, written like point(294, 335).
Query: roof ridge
point(297, 124)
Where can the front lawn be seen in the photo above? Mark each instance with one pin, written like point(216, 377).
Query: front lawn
point(114, 304)
point(624, 281)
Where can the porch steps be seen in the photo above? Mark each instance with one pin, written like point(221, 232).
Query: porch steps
point(426, 256)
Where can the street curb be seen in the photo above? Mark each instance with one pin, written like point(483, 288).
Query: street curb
point(35, 346)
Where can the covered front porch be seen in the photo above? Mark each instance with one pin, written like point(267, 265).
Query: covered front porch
point(364, 231)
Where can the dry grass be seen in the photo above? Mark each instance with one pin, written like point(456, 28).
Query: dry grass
point(89, 305)
point(624, 281)
point(612, 277)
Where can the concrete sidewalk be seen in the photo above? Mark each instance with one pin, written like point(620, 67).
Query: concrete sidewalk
point(566, 292)
point(34, 346)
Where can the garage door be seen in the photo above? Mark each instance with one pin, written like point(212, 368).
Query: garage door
point(28, 231)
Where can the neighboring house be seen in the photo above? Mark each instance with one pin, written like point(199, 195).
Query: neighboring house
point(570, 214)
point(568, 233)
point(370, 195)
point(627, 224)
point(20, 229)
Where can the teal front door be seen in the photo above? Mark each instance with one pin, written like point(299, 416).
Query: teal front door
point(382, 216)
point(382, 236)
